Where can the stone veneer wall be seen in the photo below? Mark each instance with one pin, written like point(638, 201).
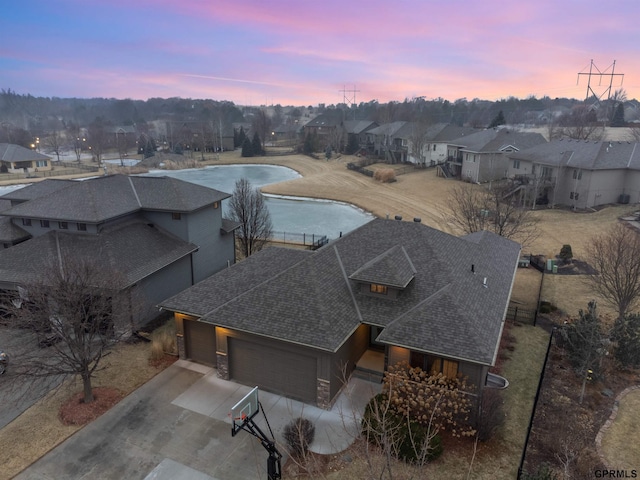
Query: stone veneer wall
point(323, 398)
point(222, 365)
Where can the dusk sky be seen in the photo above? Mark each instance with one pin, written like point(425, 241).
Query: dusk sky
point(299, 52)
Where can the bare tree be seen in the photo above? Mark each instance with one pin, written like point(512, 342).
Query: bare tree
point(97, 139)
point(474, 208)
point(616, 257)
point(247, 206)
point(419, 142)
point(53, 143)
point(73, 311)
point(262, 125)
point(582, 124)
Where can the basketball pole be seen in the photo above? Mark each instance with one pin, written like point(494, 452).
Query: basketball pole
point(274, 466)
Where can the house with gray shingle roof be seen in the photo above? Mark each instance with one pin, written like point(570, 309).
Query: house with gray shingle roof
point(299, 322)
point(17, 159)
point(578, 173)
point(159, 235)
point(483, 156)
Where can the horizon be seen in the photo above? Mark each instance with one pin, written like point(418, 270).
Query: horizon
point(294, 53)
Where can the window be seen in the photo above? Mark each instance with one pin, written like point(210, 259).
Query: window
point(26, 222)
point(516, 164)
point(375, 288)
point(577, 174)
point(82, 227)
point(44, 223)
point(448, 368)
point(63, 225)
point(573, 195)
point(176, 216)
point(215, 204)
point(434, 147)
point(41, 163)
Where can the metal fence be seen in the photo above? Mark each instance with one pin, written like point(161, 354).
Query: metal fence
point(312, 240)
point(518, 314)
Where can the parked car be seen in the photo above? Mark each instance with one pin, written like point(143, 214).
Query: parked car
point(4, 359)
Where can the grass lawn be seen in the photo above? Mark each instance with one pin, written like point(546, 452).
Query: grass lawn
point(621, 441)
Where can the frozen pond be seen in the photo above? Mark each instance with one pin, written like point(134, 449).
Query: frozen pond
point(296, 215)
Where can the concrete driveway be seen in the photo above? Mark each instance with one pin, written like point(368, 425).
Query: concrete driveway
point(176, 426)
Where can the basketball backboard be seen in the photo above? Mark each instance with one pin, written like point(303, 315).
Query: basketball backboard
point(244, 410)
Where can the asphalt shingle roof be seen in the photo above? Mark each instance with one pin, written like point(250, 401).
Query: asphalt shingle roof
point(445, 310)
point(497, 140)
point(15, 153)
point(584, 154)
point(103, 198)
point(392, 268)
point(134, 250)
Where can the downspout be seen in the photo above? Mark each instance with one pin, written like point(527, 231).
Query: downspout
point(193, 282)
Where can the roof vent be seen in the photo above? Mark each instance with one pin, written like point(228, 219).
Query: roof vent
point(417, 219)
point(484, 282)
point(398, 217)
point(473, 268)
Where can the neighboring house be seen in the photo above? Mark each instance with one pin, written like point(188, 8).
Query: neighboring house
point(391, 140)
point(158, 234)
point(328, 128)
point(434, 142)
point(17, 159)
point(483, 156)
point(298, 322)
point(359, 129)
point(577, 173)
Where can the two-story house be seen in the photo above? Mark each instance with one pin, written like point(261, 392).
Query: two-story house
point(159, 234)
point(299, 322)
point(483, 156)
point(577, 173)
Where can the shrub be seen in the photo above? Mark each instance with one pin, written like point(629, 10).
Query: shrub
point(385, 175)
point(163, 340)
point(547, 307)
point(299, 434)
point(392, 433)
point(542, 473)
point(566, 254)
point(490, 414)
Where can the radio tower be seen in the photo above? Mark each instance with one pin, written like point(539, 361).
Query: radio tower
point(598, 76)
point(350, 99)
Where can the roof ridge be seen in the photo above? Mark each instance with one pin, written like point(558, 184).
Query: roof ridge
point(135, 192)
point(348, 284)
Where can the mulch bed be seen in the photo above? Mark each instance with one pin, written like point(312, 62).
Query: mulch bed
point(76, 412)
point(576, 267)
point(564, 431)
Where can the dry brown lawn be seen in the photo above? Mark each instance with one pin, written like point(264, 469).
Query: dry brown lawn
point(621, 442)
point(39, 429)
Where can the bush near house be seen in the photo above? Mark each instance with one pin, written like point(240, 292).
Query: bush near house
point(385, 175)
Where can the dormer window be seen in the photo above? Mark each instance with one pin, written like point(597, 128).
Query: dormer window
point(176, 216)
point(26, 222)
point(44, 223)
point(377, 288)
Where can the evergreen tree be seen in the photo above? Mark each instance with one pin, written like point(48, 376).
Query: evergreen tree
point(247, 148)
point(498, 120)
point(618, 116)
point(241, 137)
point(626, 335)
point(353, 146)
point(256, 144)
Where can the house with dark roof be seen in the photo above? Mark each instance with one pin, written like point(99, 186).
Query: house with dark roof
point(17, 159)
point(159, 235)
point(577, 173)
point(434, 143)
point(483, 156)
point(299, 323)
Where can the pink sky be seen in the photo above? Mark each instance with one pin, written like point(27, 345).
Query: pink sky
point(254, 52)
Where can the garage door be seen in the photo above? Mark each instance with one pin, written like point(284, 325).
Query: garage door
point(200, 342)
point(274, 370)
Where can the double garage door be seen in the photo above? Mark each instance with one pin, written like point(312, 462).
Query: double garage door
point(272, 369)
